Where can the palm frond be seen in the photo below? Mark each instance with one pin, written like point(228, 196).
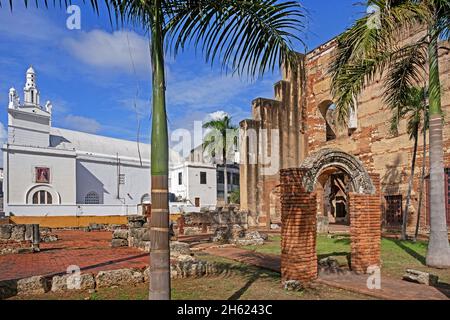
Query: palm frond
point(406, 71)
point(364, 51)
point(248, 37)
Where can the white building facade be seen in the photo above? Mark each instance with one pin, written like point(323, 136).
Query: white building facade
point(57, 172)
point(194, 186)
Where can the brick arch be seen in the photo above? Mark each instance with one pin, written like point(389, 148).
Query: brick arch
point(299, 215)
point(326, 158)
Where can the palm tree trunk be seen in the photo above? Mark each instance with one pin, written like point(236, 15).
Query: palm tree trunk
point(159, 224)
point(438, 253)
point(411, 178)
point(422, 175)
point(225, 174)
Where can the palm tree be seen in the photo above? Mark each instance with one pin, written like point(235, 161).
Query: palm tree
point(425, 127)
point(220, 138)
point(366, 50)
point(411, 108)
point(248, 37)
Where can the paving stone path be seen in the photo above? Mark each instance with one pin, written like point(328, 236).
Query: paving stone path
point(91, 251)
point(391, 289)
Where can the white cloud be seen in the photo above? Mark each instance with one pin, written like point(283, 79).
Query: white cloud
point(106, 50)
point(218, 115)
point(81, 123)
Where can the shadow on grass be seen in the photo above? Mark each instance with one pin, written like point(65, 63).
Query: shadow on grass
point(241, 291)
point(444, 288)
point(345, 241)
point(409, 251)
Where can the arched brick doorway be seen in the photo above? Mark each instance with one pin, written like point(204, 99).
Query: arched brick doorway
point(299, 214)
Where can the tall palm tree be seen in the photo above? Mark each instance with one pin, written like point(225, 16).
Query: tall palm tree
point(367, 50)
point(220, 138)
point(411, 108)
point(426, 126)
point(248, 37)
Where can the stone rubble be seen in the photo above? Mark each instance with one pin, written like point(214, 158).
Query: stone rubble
point(179, 248)
point(110, 278)
point(60, 283)
point(292, 285)
point(329, 265)
point(238, 235)
point(421, 277)
point(18, 238)
point(182, 266)
point(33, 285)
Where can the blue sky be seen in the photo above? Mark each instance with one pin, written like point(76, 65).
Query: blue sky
point(88, 74)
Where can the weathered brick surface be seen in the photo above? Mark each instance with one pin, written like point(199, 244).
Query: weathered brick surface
point(297, 112)
point(298, 231)
point(365, 228)
point(299, 228)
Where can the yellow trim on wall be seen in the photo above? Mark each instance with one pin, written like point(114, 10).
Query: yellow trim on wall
point(73, 221)
point(68, 221)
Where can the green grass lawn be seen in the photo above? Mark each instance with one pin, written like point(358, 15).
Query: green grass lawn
point(396, 255)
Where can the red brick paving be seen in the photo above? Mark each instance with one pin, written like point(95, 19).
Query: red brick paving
point(91, 251)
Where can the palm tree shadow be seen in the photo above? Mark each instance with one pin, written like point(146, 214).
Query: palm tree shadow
point(409, 251)
point(241, 291)
point(444, 288)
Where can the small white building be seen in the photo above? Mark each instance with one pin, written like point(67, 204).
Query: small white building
point(57, 172)
point(200, 156)
point(194, 183)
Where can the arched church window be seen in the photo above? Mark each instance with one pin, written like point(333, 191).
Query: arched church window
point(328, 111)
point(92, 198)
point(42, 197)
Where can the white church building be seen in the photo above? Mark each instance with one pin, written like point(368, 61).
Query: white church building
point(57, 172)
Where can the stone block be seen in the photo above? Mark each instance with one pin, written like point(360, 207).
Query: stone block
point(292, 285)
point(120, 234)
point(8, 288)
point(28, 232)
point(18, 232)
point(110, 278)
point(179, 248)
point(72, 282)
point(33, 285)
point(146, 274)
point(145, 235)
point(115, 243)
point(5, 231)
point(421, 277)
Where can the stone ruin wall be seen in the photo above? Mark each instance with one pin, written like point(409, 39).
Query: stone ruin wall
point(303, 131)
point(380, 152)
point(19, 238)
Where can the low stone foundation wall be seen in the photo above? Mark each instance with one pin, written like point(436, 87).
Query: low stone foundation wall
point(183, 266)
point(136, 235)
point(17, 238)
point(195, 223)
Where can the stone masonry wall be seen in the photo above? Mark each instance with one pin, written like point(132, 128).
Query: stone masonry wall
point(297, 112)
point(16, 238)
